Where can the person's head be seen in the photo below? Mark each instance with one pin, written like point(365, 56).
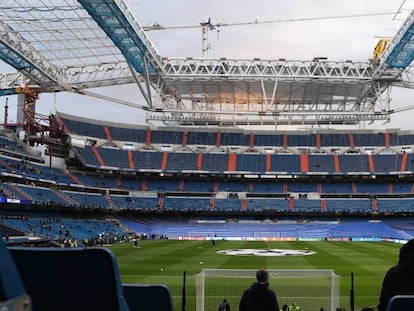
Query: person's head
point(407, 250)
point(262, 276)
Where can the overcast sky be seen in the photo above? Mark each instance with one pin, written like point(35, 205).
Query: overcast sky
point(338, 39)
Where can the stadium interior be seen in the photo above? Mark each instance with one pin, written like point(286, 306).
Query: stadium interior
point(70, 183)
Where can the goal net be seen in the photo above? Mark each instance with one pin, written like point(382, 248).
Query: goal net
point(310, 289)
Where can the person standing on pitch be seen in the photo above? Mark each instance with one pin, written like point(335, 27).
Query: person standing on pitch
point(399, 279)
point(259, 296)
point(294, 307)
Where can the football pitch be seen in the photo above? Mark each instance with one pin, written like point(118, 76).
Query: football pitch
point(164, 262)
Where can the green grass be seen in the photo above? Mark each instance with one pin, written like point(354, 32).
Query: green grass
point(367, 260)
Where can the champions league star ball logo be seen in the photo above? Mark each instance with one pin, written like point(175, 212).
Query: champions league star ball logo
point(266, 252)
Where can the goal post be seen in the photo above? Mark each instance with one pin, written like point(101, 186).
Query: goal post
point(310, 289)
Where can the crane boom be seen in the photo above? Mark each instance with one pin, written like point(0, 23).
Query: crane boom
point(157, 26)
point(208, 25)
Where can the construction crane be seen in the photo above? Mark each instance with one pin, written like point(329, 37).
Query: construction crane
point(209, 26)
point(380, 48)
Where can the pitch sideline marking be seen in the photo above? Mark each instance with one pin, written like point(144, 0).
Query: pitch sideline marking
point(266, 252)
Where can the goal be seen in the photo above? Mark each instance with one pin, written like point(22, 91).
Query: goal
point(310, 289)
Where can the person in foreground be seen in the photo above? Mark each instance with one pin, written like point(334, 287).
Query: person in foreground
point(399, 279)
point(259, 297)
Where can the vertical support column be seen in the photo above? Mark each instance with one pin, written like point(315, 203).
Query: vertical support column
point(218, 139)
point(371, 164)
point(212, 202)
point(285, 140)
point(20, 116)
point(336, 162)
point(131, 159)
point(318, 140)
point(291, 203)
point(107, 132)
point(216, 186)
point(403, 162)
point(164, 161)
point(304, 163)
point(185, 138)
point(119, 182)
point(148, 138)
point(387, 139)
point(244, 204)
point(98, 156)
point(268, 163)
point(76, 180)
point(199, 160)
point(351, 140)
point(374, 204)
point(160, 201)
point(232, 164)
point(251, 140)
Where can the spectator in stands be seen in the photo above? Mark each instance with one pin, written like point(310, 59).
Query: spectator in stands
point(399, 279)
point(259, 296)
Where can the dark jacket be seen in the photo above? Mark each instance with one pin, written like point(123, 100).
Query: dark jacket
point(224, 306)
point(259, 298)
point(399, 279)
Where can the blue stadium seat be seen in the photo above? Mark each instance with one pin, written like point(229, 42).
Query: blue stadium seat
point(13, 295)
point(84, 128)
point(301, 140)
point(321, 163)
point(148, 297)
point(70, 279)
point(234, 139)
point(255, 163)
point(401, 303)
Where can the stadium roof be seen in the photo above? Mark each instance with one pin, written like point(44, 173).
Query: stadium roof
point(62, 45)
point(78, 45)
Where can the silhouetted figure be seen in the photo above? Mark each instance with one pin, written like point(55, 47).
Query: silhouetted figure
point(259, 296)
point(399, 279)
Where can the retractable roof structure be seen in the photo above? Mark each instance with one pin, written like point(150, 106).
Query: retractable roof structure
point(77, 45)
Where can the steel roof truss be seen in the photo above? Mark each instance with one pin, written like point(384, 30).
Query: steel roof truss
point(23, 54)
